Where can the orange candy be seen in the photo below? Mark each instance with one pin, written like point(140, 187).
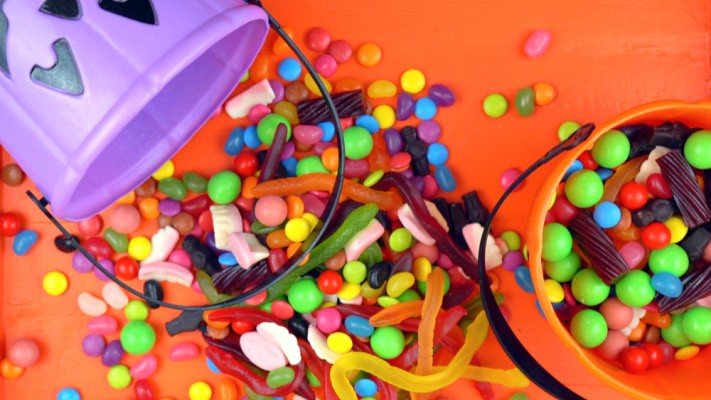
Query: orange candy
point(214, 324)
point(369, 55)
point(148, 208)
point(330, 158)
point(129, 198)
point(260, 68)
point(248, 185)
point(241, 327)
point(545, 93)
point(278, 240)
point(638, 332)
point(294, 207)
point(280, 47)
point(10, 371)
point(347, 85)
point(228, 390)
point(292, 249)
point(654, 318)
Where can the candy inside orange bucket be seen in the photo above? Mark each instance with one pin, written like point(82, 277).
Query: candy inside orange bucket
point(677, 380)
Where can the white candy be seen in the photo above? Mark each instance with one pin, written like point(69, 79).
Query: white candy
point(650, 166)
point(472, 235)
point(259, 93)
point(637, 314)
point(91, 305)
point(318, 342)
point(358, 300)
point(162, 244)
point(226, 220)
point(247, 249)
point(282, 338)
point(114, 296)
point(409, 221)
point(166, 271)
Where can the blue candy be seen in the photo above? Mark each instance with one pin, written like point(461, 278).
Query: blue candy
point(68, 394)
point(329, 131)
point(289, 69)
point(437, 154)
point(235, 142)
point(250, 137)
point(540, 310)
point(359, 326)
point(445, 179)
point(368, 122)
point(366, 387)
point(23, 242)
point(607, 214)
point(667, 284)
point(425, 109)
point(604, 173)
point(523, 279)
point(290, 165)
point(212, 367)
point(227, 259)
point(574, 167)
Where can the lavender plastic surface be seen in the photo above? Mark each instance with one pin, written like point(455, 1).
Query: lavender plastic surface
point(91, 105)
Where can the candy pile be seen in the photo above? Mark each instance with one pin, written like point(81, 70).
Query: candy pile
point(626, 245)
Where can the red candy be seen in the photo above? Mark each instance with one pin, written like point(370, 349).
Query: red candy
point(340, 50)
point(90, 226)
point(330, 282)
point(143, 391)
point(655, 354)
point(246, 163)
point(635, 360)
point(656, 236)
point(563, 210)
point(587, 160)
point(318, 39)
point(282, 309)
point(277, 259)
point(633, 195)
point(99, 248)
point(658, 186)
point(126, 268)
point(205, 221)
point(10, 224)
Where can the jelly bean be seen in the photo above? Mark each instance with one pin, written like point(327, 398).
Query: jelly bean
point(412, 81)
point(23, 353)
point(519, 396)
point(308, 134)
point(584, 188)
point(686, 353)
point(108, 265)
point(136, 310)
point(169, 207)
point(697, 149)
point(278, 89)
point(672, 259)
point(611, 149)
point(148, 208)
point(523, 279)
point(173, 188)
point(399, 282)
point(138, 337)
point(525, 102)
point(68, 394)
point(117, 241)
point(385, 116)
point(545, 93)
point(405, 106)
point(368, 122)
point(24, 241)
point(103, 325)
point(288, 111)
point(226, 389)
point(289, 69)
point(588, 328)
point(696, 325)
point(340, 50)
point(369, 55)
point(145, 367)
point(425, 108)
point(507, 178)
point(607, 214)
point(554, 291)
point(184, 351)
point(381, 89)
point(365, 387)
point(633, 253)
point(495, 105)
point(442, 95)
point(667, 284)
point(437, 154)
point(387, 342)
point(90, 305)
point(313, 88)
point(373, 178)
point(55, 283)
point(114, 296)
point(349, 291)
point(93, 345)
point(251, 138)
point(445, 179)
point(257, 112)
point(635, 289)
point(10, 371)
point(537, 44)
point(359, 326)
point(566, 129)
point(65, 244)
point(113, 352)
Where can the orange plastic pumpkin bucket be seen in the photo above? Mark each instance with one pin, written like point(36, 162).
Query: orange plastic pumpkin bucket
point(678, 380)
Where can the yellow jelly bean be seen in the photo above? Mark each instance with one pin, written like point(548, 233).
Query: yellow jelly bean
point(297, 229)
point(139, 248)
point(311, 85)
point(677, 227)
point(413, 81)
point(687, 352)
point(55, 283)
point(339, 342)
point(349, 291)
point(166, 171)
point(288, 111)
point(387, 301)
point(369, 293)
point(381, 89)
point(385, 115)
point(311, 219)
point(421, 268)
point(399, 283)
point(200, 391)
point(554, 291)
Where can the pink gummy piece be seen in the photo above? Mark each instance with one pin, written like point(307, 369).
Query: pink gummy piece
point(357, 245)
point(537, 44)
point(145, 367)
point(247, 249)
point(261, 352)
point(166, 271)
point(184, 351)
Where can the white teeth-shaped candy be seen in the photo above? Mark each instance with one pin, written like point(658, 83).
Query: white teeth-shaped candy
point(318, 342)
point(259, 93)
point(369, 235)
point(226, 220)
point(162, 243)
point(166, 271)
point(472, 235)
point(637, 314)
point(247, 249)
point(650, 166)
point(434, 212)
point(282, 338)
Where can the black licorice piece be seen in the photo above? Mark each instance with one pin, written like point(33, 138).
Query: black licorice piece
point(64, 244)
point(153, 289)
point(409, 134)
point(695, 243)
point(187, 321)
point(379, 273)
point(299, 326)
point(382, 217)
point(662, 209)
point(639, 148)
point(420, 166)
point(633, 132)
point(201, 256)
point(417, 149)
point(459, 220)
point(443, 207)
point(261, 156)
point(348, 104)
point(476, 211)
point(671, 135)
point(686, 190)
point(643, 217)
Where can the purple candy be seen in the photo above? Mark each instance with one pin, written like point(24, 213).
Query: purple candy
point(108, 265)
point(408, 173)
point(320, 147)
point(210, 242)
point(441, 95)
point(405, 106)
point(112, 353)
point(512, 260)
point(278, 89)
point(419, 183)
point(289, 149)
point(429, 131)
point(313, 204)
point(93, 345)
point(81, 264)
point(169, 207)
point(393, 141)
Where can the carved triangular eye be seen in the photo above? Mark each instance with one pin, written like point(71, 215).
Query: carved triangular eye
point(3, 41)
point(137, 10)
point(63, 75)
point(68, 9)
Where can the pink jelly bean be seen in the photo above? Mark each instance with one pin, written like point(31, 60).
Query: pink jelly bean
point(180, 257)
point(512, 260)
point(633, 253)
point(313, 204)
point(444, 261)
point(508, 178)
point(184, 351)
point(430, 187)
point(326, 65)
point(125, 219)
point(257, 112)
point(145, 367)
point(114, 296)
point(91, 305)
point(308, 134)
point(289, 150)
point(261, 352)
point(103, 325)
point(328, 320)
point(321, 194)
point(537, 44)
point(430, 252)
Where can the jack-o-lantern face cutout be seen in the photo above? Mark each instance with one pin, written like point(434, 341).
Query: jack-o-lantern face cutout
point(137, 10)
point(3, 41)
point(68, 9)
point(63, 75)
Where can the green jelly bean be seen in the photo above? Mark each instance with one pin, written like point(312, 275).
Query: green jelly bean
point(697, 325)
point(495, 105)
point(408, 295)
point(566, 129)
point(422, 286)
point(588, 328)
point(224, 187)
point(611, 149)
point(584, 188)
point(194, 182)
point(387, 301)
point(672, 259)
point(119, 376)
point(557, 242)
point(355, 271)
point(266, 306)
point(117, 241)
point(138, 337)
point(372, 255)
point(358, 142)
point(588, 288)
point(387, 342)
point(173, 188)
point(136, 310)
point(400, 240)
point(310, 165)
point(635, 289)
point(259, 228)
point(304, 296)
point(525, 102)
point(280, 377)
point(313, 380)
point(252, 395)
point(563, 270)
point(512, 240)
point(519, 396)
point(266, 129)
point(697, 149)
point(373, 178)
point(674, 333)
point(208, 289)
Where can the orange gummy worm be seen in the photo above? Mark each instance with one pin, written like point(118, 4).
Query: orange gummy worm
point(425, 333)
point(396, 313)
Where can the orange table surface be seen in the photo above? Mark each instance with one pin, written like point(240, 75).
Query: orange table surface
point(605, 56)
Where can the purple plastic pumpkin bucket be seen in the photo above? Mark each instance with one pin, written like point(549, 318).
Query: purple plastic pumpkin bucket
point(95, 95)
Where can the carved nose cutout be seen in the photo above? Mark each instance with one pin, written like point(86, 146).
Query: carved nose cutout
point(137, 10)
point(63, 75)
point(68, 9)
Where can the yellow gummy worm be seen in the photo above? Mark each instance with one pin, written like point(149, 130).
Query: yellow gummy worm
point(425, 332)
point(513, 378)
point(476, 333)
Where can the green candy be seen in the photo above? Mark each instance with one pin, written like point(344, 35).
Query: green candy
point(266, 306)
point(566, 129)
point(310, 165)
point(224, 187)
point(372, 255)
point(259, 228)
point(208, 289)
point(557, 242)
point(588, 288)
point(674, 333)
point(495, 105)
point(387, 342)
point(584, 188)
point(119, 376)
point(422, 286)
point(672, 259)
point(313, 380)
point(697, 325)
point(408, 295)
point(252, 395)
point(266, 129)
point(136, 310)
point(635, 289)
point(400, 240)
point(194, 182)
point(563, 270)
point(525, 102)
point(611, 149)
point(519, 396)
point(304, 296)
point(138, 337)
point(173, 188)
point(697, 149)
point(355, 272)
point(358, 142)
point(512, 240)
point(280, 377)
point(373, 178)
point(387, 301)
point(117, 241)
point(588, 328)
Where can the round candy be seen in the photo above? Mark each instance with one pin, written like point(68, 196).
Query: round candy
point(697, 149)
point(330, 282)
point(554, 291)
point(674, 333)
point(12, 175)
point(387, 342)
point(266, 129)
point(68, 394)
point(611, 149)
point(136, 310)
point(672, 259)
point(139, 248)
point(557, 242)
point(607, 214)
point(563, 270)
point(125, 219)
point(358, 142)
point(365, 387)
point(588, 288)
point(633, 195)
point(297, 229)
point(400, 240)
point(369, 55)
point(697, 325)
point(584, 188)
point(677, 229)
point(119, 377)
point(635, 360)
point(310, 165)
point(566, 129)
point(224, 187)
point(138, 337)
point(588, 328)
point(385, 116)
point(328, 320)
point(437, 154)
point(318, 39)
point(412, 81)
point(355, 271)
point(617, 315)
point(635, 289)
point(495, 105)
point(93, 345)
point(270, 210)
point(340, 50)
point(200, 391)
point(425, 108)
point(656, 236)
point(55, 283)
point(23, 353)
point(304, 296)
point(289, 69)
point(339, 342)
point(545, 93)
